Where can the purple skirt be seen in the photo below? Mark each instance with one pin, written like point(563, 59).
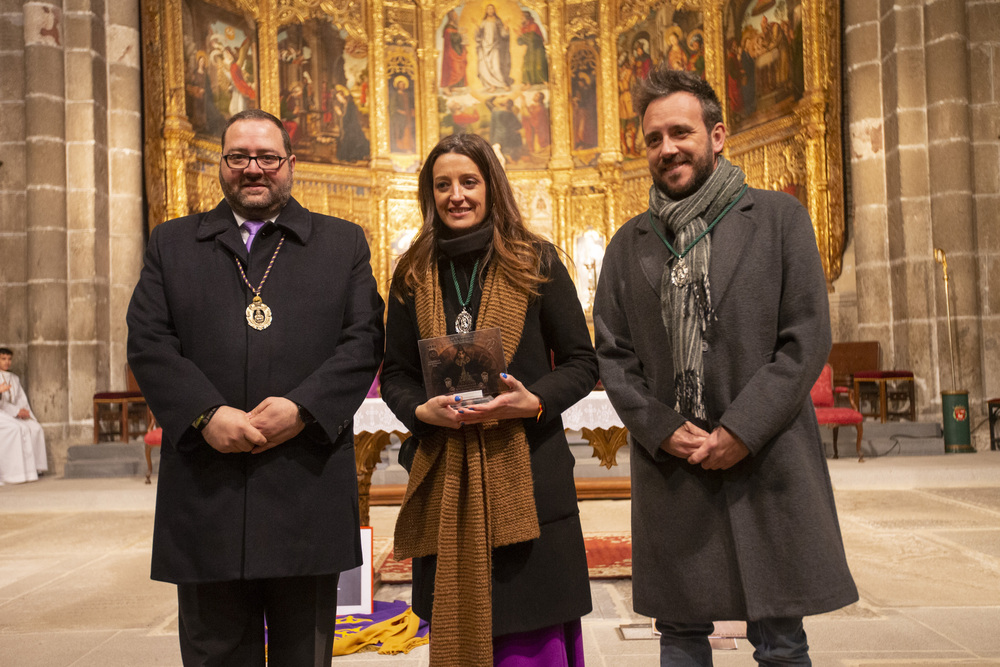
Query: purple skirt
point(555, 646)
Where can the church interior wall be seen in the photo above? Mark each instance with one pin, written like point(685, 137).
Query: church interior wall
point(922, 144)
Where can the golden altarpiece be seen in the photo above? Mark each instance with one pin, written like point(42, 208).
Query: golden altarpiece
point(367, 87)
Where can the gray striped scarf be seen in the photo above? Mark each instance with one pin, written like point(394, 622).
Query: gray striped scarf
point(687, 310)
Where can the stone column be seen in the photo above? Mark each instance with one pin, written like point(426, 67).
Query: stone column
point(954, 228)
point(87, 201)
point(13, 197)
point(863, 86)
point(911, 253)
point(983, 20)
point(45, 213)
point(125, 189)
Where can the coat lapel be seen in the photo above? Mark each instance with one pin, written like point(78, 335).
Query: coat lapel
point(220, 224)
point(651, 252)
point(729, 240)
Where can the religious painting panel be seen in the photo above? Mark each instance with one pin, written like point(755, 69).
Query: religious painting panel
point(493, 79)
point(323, 78)
point(401, 80)
point(764, 60)
point(666, 34)
point(583, 60)
point(220, 65)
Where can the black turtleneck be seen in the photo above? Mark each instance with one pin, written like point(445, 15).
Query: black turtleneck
point(462, 252)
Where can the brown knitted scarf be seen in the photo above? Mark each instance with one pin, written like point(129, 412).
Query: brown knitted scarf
point(470, 491)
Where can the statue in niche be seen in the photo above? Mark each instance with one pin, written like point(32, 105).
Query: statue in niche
point(493, 52)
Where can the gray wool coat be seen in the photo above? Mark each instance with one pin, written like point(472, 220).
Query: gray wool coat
point(761, 539)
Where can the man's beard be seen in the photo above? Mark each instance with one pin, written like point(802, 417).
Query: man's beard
point(257, 209)
point(703, 167)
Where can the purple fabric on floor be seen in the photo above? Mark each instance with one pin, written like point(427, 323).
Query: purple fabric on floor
point(554, 646)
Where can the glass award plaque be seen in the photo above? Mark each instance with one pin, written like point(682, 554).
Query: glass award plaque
point(466, 364)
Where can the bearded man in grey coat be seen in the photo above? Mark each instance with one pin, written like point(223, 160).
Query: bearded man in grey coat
point(712, 325)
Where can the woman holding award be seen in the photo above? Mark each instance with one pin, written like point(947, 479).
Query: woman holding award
point(490, 514)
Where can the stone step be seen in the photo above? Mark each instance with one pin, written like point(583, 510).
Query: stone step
point(92, 468)
point(108, 459)
point(889, 439)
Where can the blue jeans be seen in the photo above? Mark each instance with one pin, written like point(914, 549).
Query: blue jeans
point(776, 641)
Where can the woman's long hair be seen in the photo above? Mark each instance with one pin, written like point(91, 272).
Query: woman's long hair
point(516, 250)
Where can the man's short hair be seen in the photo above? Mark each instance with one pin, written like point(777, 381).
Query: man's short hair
point(6, 350)
point(663, 81)
point(259, 114)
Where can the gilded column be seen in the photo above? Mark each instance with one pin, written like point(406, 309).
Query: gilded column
point(381, 164)
point(427, 56)
point(812, 112)
point(380, 96)
point(268, 83)
point(610, 160)
point(560, 164)
point(715, 59)
point(177, 132)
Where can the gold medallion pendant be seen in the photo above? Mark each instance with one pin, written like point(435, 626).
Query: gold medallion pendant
point(258, 314)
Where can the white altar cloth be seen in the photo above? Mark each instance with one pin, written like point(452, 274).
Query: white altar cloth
point(592, 411)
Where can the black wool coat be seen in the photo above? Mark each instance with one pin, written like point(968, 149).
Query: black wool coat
point(761, 539)
point(291, 510)
point(545, 581)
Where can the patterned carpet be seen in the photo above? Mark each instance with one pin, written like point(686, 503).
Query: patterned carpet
point(609, 556)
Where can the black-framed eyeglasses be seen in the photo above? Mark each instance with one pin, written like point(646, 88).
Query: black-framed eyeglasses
point(265, 162)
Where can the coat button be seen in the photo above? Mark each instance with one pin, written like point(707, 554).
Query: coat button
point(340, 430)
point(704, 346)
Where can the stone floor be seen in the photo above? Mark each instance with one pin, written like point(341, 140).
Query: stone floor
point(922, 537)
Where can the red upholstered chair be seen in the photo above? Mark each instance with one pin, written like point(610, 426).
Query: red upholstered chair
point(153, 438)
point(826, 413)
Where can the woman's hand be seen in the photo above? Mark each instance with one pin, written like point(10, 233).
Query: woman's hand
point(441, 411)
point(518, 403)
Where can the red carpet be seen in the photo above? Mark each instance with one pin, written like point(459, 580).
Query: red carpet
point(609, 556)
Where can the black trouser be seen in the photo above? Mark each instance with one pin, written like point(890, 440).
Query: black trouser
point(222, 623)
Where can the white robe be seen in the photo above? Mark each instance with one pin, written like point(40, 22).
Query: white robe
point(22, 441)
point(493, 53)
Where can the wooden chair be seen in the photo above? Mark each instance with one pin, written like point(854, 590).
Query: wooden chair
point(846, 359)
point(827, 414)
point(152, 438)
point(884, 394)
point(891, 394)
point(123, 403)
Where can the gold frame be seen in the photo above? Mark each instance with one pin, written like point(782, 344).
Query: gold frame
point(563, 201)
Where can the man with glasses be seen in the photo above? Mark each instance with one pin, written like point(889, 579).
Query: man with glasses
point(255, 332)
